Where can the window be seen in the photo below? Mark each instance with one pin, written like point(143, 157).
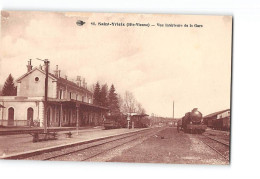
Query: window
point(82, 98)
point(70, 95)
point(36, 79)
point(60, 94)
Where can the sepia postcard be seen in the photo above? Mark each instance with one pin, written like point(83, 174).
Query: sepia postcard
point(115, 87)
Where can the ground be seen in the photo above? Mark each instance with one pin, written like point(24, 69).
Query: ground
point(165, 146)
point(168, 146)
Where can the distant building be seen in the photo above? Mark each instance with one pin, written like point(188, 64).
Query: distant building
point(208, 119)
point(159, 121)
point(65, 98)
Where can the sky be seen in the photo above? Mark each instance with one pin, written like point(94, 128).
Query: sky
point(188, 65)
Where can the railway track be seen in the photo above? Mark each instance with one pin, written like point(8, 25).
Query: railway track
point(88, 150)
point(222, 135)
point(226, 143)
point(221, 147)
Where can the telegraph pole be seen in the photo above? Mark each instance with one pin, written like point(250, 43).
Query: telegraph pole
point(46, 63)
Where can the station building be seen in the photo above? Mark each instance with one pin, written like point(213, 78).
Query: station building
point(67, 100)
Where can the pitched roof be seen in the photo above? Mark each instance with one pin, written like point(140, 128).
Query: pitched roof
point(71, 83)
point(34, 69)
point(53, 77)
point(216, 113)
point(1, 106)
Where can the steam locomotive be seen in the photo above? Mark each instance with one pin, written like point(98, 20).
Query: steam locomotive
point(192, 122)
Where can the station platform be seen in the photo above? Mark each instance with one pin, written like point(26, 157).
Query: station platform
point(22, 143)
point(25, 130)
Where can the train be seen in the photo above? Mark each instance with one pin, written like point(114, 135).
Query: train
point(192, 122)
point(113, 122)
point(220, 124)
point(126, 120)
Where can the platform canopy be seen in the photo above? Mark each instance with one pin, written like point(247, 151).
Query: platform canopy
point(75, 103)
point(136, 114)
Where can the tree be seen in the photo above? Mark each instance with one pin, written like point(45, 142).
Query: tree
point(140, 109)
point(9, 89)
point(96, 94)
point(120, 103)
point(104, 95)
point(129, 104)
point(113, 101)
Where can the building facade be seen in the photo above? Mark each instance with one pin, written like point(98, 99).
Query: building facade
point(68, 102)
point(221, 116)
point(224, 114)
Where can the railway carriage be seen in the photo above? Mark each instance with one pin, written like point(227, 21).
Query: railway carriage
point(221, 124)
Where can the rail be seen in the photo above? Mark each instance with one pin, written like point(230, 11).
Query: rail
point(214, 148)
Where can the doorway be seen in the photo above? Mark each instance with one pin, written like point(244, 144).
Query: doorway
point(11, 116)
point(30, 116)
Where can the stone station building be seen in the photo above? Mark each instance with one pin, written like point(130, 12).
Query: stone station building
point(67, 100)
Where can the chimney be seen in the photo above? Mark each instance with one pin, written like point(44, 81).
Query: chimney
point(44, 67)
point(56, 72)
point(78, 81)
point(40, 67)
point(84, 83)
point(29, 66)
point(66, 77)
